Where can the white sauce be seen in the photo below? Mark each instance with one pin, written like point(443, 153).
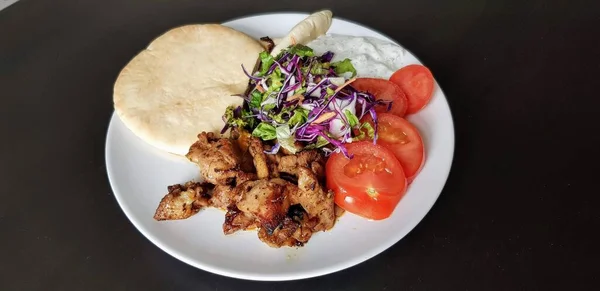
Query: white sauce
point(371, 57)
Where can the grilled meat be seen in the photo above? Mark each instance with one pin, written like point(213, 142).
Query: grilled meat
point(281, 195)
point(259, 158)
point(311, 159)
point(242, 139)
point(291, 233)
point(266, 200)
point(222, 196)
point(314, 199)
point(218, 159)
point(182, 201)
point(236, 220)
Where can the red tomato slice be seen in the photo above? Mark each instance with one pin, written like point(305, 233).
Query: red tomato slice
point(403, 139)
point(417, 83)
point(370, 184)
point(386, 90)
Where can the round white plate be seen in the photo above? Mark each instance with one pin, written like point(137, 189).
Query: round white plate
point(139, 175)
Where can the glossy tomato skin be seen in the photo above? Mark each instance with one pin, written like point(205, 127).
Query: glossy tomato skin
point(417, 83)
point(372, 195)
point(386, 90)
point(402, 138)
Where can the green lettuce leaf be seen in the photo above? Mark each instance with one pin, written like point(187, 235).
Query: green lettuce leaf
point(231, 119)
point(366, 130)
point(321, 141)
point(344, 66)
point(317, 69)
point(285, 138)
point(330, 92)
point(267, 61)
point(269, 107)
point(352, 119)
point(255, 99)
point(249, 119)
point(283, 116)
point(301, 50)
point(300, 116)
point(275, 80)
point(264, 131)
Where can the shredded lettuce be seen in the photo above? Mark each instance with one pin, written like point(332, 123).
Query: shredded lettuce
point(321, 142)
point(318, 69)
point(267, 61)
point(268, 107)
point(352, 119)
point(299, 117)
point(344, 66)
point(231, 119)
point(365, 130)
point(265, 131)
point(330, 92)
point(282, 116)
point(285, 138)
point(301, 50)
point(248, 119)
point(275, 80)
point(255, 99)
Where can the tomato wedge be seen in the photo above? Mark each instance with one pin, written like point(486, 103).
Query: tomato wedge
point(417, 83)
point(386, 90)
point(403, 139)
point(370, 184)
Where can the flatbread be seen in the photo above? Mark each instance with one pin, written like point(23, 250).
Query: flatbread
point(310, 28)
point(181, 84)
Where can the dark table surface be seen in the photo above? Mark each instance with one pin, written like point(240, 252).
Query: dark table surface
point(519, 211)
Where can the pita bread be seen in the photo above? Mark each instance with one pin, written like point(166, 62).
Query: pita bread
point(310, 28)
point(181, 84)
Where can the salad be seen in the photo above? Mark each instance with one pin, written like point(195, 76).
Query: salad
point(300, 101)
point(303, 101)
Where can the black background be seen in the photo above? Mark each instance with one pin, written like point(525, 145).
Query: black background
point(519, 211)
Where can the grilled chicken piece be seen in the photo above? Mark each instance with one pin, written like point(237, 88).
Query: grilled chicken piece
point(242, 138)
point(272, 162)
point(222, 196)
point(284, 235)
point(296, 230)
point(218, 159)
point(259, 158)
point(182, 201)
point(237, 220)
point(288, 163)
point(314, 199)
point(311, 159)
point(266, 200)
point(306, 224)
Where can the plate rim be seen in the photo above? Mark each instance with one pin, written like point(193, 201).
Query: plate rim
point(367, 255)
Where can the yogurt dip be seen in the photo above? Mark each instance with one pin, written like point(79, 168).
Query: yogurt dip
point(371, 57)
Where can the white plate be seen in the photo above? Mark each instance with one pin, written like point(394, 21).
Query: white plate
point(139, 175)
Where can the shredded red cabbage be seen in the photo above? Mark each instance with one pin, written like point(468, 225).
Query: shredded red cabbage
point(274, 149)
point(307, 91)
point(248, 74)
point(327, 57)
